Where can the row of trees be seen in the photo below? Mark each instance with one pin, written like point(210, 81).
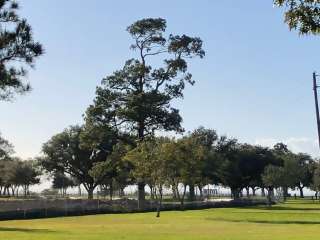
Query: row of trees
point(117, 144)
point(134, 103)
point(193, 161)
point(16, 174)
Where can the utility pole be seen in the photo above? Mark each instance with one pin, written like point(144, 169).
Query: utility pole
point(315, 86)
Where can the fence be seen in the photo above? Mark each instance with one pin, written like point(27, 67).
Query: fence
point(26, 209)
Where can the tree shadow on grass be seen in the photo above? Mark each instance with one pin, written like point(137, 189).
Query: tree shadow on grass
point(282, 208)
point(25, 230)
point(264, 221)
point(267, 212)
point(304, 202)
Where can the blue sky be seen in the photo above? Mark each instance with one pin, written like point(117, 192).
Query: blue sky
point(254, 83)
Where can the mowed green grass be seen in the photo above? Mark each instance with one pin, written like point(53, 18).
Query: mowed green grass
point(293, 220)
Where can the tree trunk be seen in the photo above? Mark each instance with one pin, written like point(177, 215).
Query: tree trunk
point(25, 190)
point(235, 193)
point(182, 197)
point(201, 193)
point(191, 192)
point(159, 202)
point(247, 191)
point(263, 193)
point(253, 191)
point(285, 193)
point(141, 195)
point(269, 197)
point(151, 192)
point(301, 192)
point(90, 193)
point(111, 191)
point(121, 192)
point(174, 193)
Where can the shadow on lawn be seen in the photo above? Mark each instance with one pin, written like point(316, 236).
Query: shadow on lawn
point(25, 230)
point(264, 221)
point(283, 208)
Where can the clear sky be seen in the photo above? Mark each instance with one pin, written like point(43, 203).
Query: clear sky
point(255, 82)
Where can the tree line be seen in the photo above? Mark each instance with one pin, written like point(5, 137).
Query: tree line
point(119, 144)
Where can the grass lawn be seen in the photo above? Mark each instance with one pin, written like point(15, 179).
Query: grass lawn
point(293, 220)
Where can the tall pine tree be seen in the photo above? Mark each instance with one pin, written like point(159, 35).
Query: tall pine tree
point(137, 98)
point(18, 50)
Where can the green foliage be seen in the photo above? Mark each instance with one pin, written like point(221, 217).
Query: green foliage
point(149, 162)
point(303, 15)
point(316, 178)
point(273, 176)
point(77, 150)
point(6, 149)
point(18, 50)
point(16, 173)
point(62, 182)
point(150, 166)
point(138, 97)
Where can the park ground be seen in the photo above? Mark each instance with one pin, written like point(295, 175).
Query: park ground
point(295, 219)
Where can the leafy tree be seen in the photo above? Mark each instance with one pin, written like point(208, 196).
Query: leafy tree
point(305, 168)
point(150, 166)
point(116, 169)
point(272, 178)
point(191, 153)
point(27, 174)
point(6, 149)
point(206, 138)
point(10, 176)
point(122, 168)
point(18, 50)
point(230, 173)
point(62, 182)
point(174, 163)
point(316, 178)
point(280, 148)
point(303, 15)
point(138, 97)
point(292, 172)
point(252, 162)
point(77, 150)
point(284, 157)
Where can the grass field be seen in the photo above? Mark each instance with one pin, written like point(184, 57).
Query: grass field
point(293, 220)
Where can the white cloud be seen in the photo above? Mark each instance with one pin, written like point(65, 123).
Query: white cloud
point(295, 144)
